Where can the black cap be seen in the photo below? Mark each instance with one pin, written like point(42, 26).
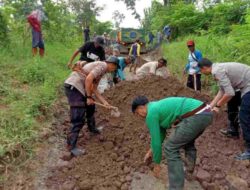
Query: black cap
point(139, 101)
point(204, 62)
point(114, 60)
point(99, 40)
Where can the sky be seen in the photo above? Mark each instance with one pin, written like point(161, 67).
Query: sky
point(111, 5)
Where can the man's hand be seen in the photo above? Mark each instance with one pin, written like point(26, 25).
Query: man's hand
point(148, 157)
point(216, 109)
point(105, 103)
point(90, 101)
point(69, 65)
point(157, 170)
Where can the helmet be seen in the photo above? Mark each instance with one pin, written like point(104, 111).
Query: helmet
point(99, 40)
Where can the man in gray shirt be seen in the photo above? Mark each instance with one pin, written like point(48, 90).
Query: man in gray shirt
point(233, 78)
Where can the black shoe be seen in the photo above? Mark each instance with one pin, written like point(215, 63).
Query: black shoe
point(95, 131)
point(230, 134)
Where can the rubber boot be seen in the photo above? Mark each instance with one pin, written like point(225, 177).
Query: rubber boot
point(232, 131)
point(91, 125)
point(41, 52)
point(34, 51)
point(244, 156)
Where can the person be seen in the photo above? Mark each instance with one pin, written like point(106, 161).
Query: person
point(234, 89)
point(90, 51)
point(167, 33)
point(190, 118)
point(150, 68)
point(159, 38)
point(80, 87)
point(34, 20)
point(135, 51)
point(86, 32)
point(194, 75)
point(123, 63)
point(150, 37)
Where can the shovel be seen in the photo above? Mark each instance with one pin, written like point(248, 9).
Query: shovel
point(114, 110)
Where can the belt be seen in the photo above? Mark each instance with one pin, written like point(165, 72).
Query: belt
point(189, 114)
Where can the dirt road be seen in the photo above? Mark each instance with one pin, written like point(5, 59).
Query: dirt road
point(114, 159)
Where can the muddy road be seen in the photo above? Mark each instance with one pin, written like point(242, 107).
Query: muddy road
point(114, 159)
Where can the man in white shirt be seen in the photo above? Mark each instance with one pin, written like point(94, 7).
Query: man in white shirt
point(150, 68)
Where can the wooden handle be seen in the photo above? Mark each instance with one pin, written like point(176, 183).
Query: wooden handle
point(108, 107)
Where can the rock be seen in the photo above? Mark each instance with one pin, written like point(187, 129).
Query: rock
point(128, 178)
point(61, 163)
point(212, 186)
point(114, 156)
point(86, 185)
point(142, 136)
point(126, 169)
point(118, 184)
point(108, 145)
point(203, 175)
point(66, 156)
point(68, 186)
point(236, 182)
point(101, 138)
point(124, 187)
point(219, 176)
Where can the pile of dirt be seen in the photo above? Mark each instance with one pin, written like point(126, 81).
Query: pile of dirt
point(113, 158)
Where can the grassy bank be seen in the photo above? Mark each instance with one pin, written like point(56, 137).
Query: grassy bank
point(29, 88)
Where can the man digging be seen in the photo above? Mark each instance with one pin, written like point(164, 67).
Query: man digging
point(190, 117)
point(80, 88)
point(234, 90)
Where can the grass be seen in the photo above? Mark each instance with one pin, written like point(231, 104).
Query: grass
point(29, 88)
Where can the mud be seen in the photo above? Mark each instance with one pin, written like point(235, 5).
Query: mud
point(114, 160)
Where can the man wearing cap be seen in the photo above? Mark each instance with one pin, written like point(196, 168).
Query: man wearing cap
point(150, 68)
point(194, 76)
point(135, 51)
point(80, 88)
point(190, 117)
point(234, 90)
point(90, 51)
point(123, 63)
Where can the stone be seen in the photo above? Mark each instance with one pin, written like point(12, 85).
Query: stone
point(68, 186)
point(126, 169)
point(203, 175)
point(236, 182)
point(114, 156)
point(108, 145)
point(86, 185)
point(61, 163)
point(128, 178)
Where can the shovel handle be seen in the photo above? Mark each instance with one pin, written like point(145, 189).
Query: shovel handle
point(108, 107)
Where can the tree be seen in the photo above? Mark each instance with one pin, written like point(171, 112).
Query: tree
point(131, 6)
point(85, 11)
point(118, 17)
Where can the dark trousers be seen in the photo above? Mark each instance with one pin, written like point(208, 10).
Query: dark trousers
point(191, 82)
point(79, 110)
point(184, 137)
point(245, 118)
point(233, 113)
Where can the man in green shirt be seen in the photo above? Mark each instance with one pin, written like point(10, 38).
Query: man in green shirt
point(189, 116)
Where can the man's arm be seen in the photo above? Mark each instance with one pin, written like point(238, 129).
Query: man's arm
point(155, 133)
point(89, 88)
point(99, 96)
point(216, 98)
point(72, 58)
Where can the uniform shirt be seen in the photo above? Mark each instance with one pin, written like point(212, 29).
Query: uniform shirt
point(90, 53)
point(76, 79)
point(135, 50)
point(160, 116)
point(122, 65)
point(231, 77)
point(147, 68)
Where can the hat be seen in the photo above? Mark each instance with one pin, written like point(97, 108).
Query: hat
point(114, 60)
point(99, 40)
point(139, 101)
point(190, 43)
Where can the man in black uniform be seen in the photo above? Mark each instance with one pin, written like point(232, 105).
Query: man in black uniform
point(90, 51)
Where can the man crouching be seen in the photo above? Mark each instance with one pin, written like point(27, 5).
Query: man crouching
point(190, 116)
point(80, 88)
